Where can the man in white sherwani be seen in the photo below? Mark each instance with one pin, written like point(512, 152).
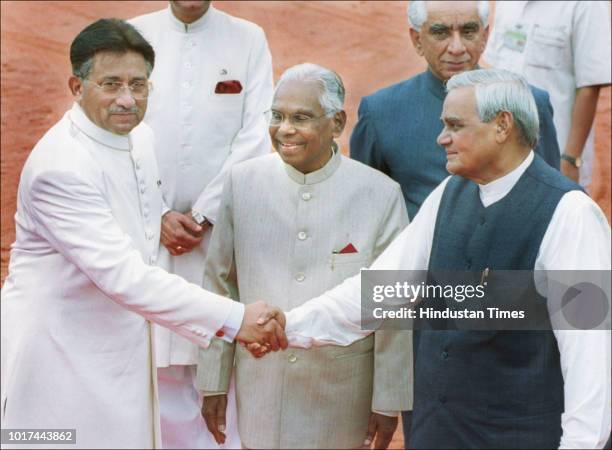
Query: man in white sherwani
point(77, 343)
point(292, 225)
point(213, 82)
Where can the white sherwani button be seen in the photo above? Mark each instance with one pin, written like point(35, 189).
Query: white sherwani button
point(292, 358)
point(300, 277)
point(302, 235)
point(306, 196)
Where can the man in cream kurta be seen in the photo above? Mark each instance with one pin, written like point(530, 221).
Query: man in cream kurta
point(286, 234)
point(82, 288)
point(200, 133)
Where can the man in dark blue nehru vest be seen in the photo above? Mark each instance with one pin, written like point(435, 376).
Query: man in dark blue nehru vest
point(503, 208)
point(502, 388)
point(398, 125)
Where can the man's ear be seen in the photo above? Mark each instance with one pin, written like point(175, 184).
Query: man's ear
point(415, 37)
point(339, 122)
point(504, 125)
point(76, 87)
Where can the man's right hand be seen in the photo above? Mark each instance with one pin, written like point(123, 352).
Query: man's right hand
point(179, 233)
point(383, 427)
point(263, 324)
point(213, 411)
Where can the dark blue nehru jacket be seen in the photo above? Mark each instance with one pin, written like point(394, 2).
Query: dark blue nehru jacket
point(490, 389)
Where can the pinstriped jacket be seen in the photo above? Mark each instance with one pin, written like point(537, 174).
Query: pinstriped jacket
point(278, 238)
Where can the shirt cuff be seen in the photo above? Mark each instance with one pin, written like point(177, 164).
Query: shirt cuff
point(232, 324)
point(387, 413)
point(211, 393)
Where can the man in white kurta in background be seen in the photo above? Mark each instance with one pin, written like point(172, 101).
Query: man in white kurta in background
point(82, 287)
point(528, 210)
point(212, 84)
point(562, 47)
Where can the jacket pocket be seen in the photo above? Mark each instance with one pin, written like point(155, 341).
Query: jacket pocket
point(348, 258)
point(362, 347)
point(547, 47)
point(353, 355)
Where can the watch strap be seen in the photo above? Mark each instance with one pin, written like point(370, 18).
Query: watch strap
point(200, 219)
point(574, 161)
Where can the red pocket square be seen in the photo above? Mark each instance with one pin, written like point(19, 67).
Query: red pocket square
point(228, 87)
point(349, 249)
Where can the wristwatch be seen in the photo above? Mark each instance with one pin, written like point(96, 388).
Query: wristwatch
point(574, 161)
point(200, 219)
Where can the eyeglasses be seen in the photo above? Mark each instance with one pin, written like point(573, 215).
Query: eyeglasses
point(299, 121)
point(139, 89)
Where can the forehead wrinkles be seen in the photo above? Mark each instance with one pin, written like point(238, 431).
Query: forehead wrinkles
point(456, 14)
point(297, 95)
point(460, 103)
point(294, 104)
point(455, 22)
point(115, 65)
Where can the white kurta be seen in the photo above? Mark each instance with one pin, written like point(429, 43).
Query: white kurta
point(200, 134)
point(567, 47)
point(335, 317)
point(76, 305)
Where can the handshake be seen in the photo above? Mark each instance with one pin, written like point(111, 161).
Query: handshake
point(262, 329)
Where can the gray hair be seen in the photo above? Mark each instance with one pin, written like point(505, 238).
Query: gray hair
point(500, 90)
point(84, 69)
point(332, 89)
point(417, 13)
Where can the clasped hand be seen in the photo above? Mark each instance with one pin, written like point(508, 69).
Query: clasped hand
point(262, 329)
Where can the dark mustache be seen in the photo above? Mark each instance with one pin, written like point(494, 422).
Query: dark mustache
point(120, 109)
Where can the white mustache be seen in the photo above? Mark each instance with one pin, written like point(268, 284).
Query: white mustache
point(118, 109)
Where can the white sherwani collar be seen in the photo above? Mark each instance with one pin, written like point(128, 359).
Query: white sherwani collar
point(95, 133)
point(193, 27)
point(318, 175)
point(497, 189)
